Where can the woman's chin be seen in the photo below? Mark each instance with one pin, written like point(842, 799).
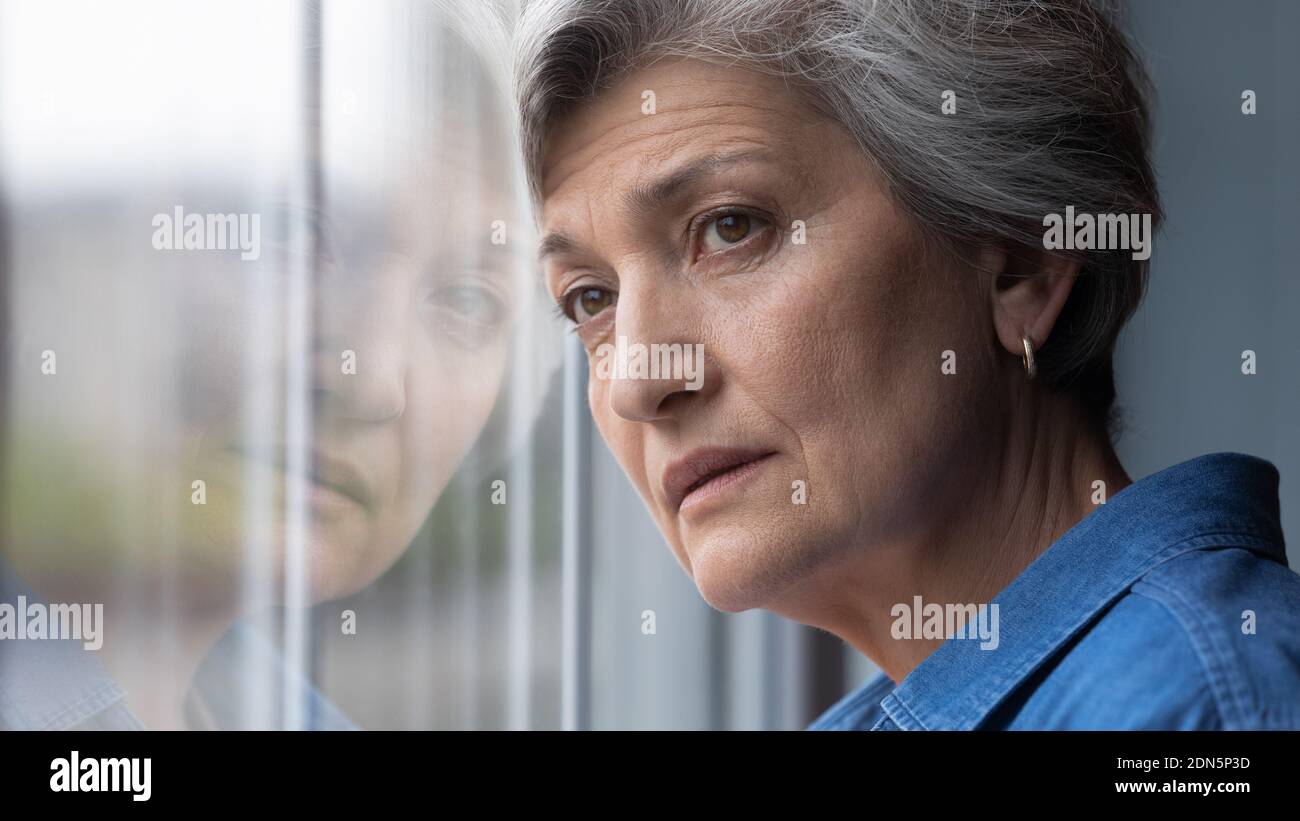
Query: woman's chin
point(333, 563)
point(762, 563)
point(733, 569)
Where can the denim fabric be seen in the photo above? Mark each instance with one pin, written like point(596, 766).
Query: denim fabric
point(59, 685)
point(1137, 618)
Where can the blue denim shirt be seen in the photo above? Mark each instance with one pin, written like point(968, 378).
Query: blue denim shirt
point(1169, 607)
point(59, 685)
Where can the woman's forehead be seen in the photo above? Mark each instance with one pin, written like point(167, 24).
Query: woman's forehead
point(654, 114)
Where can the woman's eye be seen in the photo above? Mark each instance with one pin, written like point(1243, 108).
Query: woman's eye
point(473, 304)
point(728, 230)
point(584, 303)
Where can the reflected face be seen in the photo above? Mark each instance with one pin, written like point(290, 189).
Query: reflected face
point(180, 369)
point(736, 218)
point(414, 309)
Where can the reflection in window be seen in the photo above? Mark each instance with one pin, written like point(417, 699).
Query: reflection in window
point(283, 396)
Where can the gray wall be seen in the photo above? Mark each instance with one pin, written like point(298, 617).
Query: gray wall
point(1225, 276)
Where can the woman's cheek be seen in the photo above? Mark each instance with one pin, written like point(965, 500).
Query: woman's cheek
point(624, 438)
point(454, 419)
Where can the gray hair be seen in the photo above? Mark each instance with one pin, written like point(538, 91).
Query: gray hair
point(1052, 112)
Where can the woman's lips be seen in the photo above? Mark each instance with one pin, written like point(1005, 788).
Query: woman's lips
point(707, 473)
point(328, 483)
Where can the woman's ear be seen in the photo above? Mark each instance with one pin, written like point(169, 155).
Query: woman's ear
point(1029, 289)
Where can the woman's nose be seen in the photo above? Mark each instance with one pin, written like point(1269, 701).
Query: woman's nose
point(361, 357)
point(654, 365)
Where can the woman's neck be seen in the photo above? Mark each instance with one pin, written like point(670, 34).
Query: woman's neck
point(1006, 505)
point(154, 658)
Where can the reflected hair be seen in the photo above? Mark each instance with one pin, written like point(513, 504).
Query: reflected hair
point(1051, 111)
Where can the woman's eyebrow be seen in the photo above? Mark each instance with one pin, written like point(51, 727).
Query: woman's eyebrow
point(645, 198)
point(554, 243)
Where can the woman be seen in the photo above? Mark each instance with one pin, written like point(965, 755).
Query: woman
point(904, 430)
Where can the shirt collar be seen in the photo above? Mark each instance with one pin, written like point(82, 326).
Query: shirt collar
point(244, 682)
point(1221, 499)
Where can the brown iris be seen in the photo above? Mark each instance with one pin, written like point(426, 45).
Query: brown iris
point(592, 301)
point(732, 228)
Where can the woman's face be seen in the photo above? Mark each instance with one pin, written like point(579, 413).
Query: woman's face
point(411, 331)
point(734, 217)
point(174, 369)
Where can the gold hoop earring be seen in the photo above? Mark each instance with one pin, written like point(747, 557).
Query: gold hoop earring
point(1031, 367)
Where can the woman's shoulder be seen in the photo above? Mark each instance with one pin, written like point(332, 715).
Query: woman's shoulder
point(1209, 639)
point(1239, 610)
